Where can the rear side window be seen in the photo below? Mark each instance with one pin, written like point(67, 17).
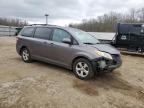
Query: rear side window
point(28, 32)
point(59, 35)
point(43, 32)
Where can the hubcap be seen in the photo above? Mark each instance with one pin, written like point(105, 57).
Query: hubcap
point(139, 49)
point(82, 69)
point(25, 55)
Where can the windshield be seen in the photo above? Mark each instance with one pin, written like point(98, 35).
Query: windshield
point(84, 37)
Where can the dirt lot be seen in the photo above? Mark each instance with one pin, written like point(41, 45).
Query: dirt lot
point(41, 85)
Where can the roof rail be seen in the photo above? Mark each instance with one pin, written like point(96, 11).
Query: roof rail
point(41, 25)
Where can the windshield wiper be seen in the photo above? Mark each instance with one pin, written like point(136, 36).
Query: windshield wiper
point(91, 43)
point(88, 43)
point(98, 43)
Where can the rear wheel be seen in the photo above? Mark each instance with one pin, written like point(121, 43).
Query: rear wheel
point(83, 69)
point(25, 55)
point(140, 49)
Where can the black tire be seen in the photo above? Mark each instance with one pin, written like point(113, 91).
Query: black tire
point(23, 55)
point(90, 73)
point(140, 50)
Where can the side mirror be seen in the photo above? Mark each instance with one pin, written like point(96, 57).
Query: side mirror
point(67, 41)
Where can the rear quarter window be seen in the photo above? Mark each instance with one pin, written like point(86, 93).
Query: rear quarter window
point(43, 33)
point(27, 32)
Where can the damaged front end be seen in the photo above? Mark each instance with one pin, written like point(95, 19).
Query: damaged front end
point(107, 65)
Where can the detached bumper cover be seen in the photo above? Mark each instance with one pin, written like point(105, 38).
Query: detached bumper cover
point(103, 64)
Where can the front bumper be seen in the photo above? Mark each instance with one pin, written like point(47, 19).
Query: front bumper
point(104, 65)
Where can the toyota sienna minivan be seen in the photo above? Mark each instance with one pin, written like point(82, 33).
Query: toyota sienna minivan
point(67, 47)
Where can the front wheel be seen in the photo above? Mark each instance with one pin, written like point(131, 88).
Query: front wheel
point(25, 55)
point(83, 69)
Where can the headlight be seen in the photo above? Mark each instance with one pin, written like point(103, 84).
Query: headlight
point(104, 54)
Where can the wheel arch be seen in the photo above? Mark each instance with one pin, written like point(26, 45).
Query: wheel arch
point(22, 47)
point(78, 57)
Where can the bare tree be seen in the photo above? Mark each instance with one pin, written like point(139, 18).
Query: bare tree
point(108, 22)
point(12, 22)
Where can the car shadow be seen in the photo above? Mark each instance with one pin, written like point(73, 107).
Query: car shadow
point(111, 82)
point(53, 67)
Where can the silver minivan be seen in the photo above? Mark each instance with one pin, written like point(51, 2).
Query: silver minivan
point(71, 48)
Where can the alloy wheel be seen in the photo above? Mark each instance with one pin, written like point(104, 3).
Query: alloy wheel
point(82, 69)
point(25, 55)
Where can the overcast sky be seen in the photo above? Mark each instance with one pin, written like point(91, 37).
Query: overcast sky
point(63, 12)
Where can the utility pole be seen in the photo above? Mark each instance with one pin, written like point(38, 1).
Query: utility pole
point(46, 15)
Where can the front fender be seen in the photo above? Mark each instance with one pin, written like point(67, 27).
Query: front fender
point(85, 55)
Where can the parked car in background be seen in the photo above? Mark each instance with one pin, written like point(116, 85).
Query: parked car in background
point(71, 48)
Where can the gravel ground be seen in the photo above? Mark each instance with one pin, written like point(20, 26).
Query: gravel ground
point(41, 85)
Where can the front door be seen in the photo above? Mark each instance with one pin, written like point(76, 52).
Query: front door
point(62, 52)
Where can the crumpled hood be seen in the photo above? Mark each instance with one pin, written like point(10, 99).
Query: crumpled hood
point(106, 48)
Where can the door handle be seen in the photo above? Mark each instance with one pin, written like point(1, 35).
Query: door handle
point(51, 43)
point(45, 42)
